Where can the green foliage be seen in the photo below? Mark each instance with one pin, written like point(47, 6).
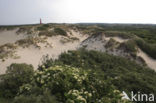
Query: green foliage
point(128, 31)
point(124, 35)
point(69, 39)
point(150, 49)
point(4, 100)
point(25, 29)
point(73, 85)
point(129, 46)
point(99, 73)
point(146, 32)
point(46, 97)
point(90, 77)
point(7, 27)
point(60, 31)
point(46, 25)
point(128, 75)
point(30, 41)
point(111, 43)
point(25, 42)
point(43, 27)
point(16, 75)
point(47, 33)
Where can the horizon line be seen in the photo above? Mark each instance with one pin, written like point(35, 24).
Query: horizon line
point(78, 23)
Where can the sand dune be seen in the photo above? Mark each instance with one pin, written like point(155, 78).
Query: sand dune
point(118, 39)
point(32, 55)
point(99, 42)
point(9, 36)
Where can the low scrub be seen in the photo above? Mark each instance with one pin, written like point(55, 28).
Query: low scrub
point(30, 41)
point(124, 35)
point(57, 84)
point(60, 31)
point(7, 50)
point(47, 33)
point(150, 49)
point(129, 46)
point(73, 85)
point(16, 75)
point(25, 29)
point(43, 27)
point(69, 39)
point(111, 43)
point(128, 76)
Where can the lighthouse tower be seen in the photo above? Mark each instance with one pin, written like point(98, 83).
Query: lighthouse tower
point(40, 21)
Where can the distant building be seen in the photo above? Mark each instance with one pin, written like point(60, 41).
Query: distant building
point(40, 21)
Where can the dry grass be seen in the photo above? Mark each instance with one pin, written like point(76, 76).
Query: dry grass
point(111, 43)
point(124, 35)
point(46, 33)
point(69, 39)
point(25, 29)
point(30, 41)
point(7, 50)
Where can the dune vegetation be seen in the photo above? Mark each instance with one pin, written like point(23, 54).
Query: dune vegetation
point(79, 75)
point(146, 33)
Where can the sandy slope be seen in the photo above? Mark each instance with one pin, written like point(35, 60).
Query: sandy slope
point(118, 39)
point(98, 43)
point(32, 55)
point(9, 36)
point(149, 61)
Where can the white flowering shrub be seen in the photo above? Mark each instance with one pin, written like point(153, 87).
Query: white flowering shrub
point(78, 96)
point(16, 75)
point(74, 85)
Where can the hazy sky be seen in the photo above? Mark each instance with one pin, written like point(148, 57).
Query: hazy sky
point(74, 11)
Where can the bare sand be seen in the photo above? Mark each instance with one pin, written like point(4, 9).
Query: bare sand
point(100, 41)
point(149, 61)
point(118, 39)
point(32, 55)
point(9, 36)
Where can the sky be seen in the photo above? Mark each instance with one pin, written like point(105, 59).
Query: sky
point(77, 11)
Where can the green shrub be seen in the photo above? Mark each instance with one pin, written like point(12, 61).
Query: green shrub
point(30, 41)
point(60, 31)
point(46, 25)
point(150, 49)
point(25, 42)
point(46, 97)
point(70, 84)
point(129, 46)
point(46, 33)
point(124, 35)
point(4, 100)
point(111, 43)
point(43, 27)
point(16, 75)
point(128, 75)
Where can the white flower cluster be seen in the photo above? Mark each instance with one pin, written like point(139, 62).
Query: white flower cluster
point(77, 96)
point(26, 87)
point(54, 72)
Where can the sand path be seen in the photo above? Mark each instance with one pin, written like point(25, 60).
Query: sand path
point(118, 39)
point(149, 61)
